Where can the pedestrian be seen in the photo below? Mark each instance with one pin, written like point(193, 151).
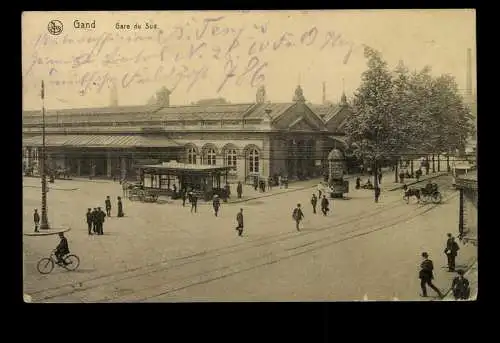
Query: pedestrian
point(451, 252)
point(216, 204)
point(460, 286)
point(270, 183)
point(377, 193)
point(120, 208)
point(108, 206)
point(255, 183)
point(402, 177)
point(239, 221)
point(358, 182)
point(239, 189)
point(379, 177)
point(426, 275)
point(101, 215)
point(36, 219)
point(227, 188)
point(319, 190)
point(194, 202)
point(314, 202)
point(325, 205)
point(297, 215)
point(95, 221)
point(88, 216)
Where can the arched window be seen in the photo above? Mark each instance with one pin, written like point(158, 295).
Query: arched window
point(253, 161)
point(191, 156)
point(231, 158)
point(210, 157)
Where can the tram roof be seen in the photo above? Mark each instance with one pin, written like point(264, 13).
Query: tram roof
point(177, 166)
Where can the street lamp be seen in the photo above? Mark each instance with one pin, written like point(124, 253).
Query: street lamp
point(44, 225)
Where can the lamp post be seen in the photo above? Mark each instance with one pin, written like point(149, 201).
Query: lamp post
point(44, 225)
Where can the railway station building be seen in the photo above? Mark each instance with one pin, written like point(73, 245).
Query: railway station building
point(255, 139)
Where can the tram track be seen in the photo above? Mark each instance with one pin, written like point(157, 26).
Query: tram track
point(147, 271)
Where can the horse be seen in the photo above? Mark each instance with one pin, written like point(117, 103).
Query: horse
point(409, 192)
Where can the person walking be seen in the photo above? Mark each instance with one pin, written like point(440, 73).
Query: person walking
point(358, 183)
point(88, 216)
point(451, 251)
point(36, 219)
point(194, 202)
point(460, 286)
point(297, 215)
point(108, 206)
point(216, 204)
point(239, 189)
point(239, 221)
point(184, 197)
point(270, 183)
point(325, 205)
point(314, 202)
point(426, 276)
point(120, 208)
point(377, 193)
point(379, 177)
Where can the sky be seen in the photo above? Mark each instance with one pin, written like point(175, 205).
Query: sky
point(200, 55)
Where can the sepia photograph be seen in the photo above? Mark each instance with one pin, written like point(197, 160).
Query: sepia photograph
point(249, 156)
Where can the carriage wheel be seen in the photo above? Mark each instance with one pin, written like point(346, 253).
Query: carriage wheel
point(436, 198)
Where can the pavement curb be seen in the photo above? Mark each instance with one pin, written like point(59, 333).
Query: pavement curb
point(52, 188)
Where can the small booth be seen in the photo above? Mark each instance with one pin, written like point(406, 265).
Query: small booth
point(169, 178)
point(336, 166)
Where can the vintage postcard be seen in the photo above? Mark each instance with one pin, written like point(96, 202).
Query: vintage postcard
point(211, 156)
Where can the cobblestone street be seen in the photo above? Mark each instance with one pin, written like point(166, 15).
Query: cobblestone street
point(154, 237)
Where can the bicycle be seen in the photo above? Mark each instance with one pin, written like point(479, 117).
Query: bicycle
point(47, 264)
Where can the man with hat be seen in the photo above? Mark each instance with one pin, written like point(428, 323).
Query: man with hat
point(426, 275)
point(216, 204)
point(297, 215)
point(108, 206)
point(194, 201)
point(101, 215)
point(89, 215)
point(314, 202)
point(451, 252)
point(62, 249)
point(94, 220)
point(36, 219)
point(239, 220)
point(460, 286)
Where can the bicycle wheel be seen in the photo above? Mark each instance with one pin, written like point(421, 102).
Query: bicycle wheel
point(45, 265)
point(72, 262)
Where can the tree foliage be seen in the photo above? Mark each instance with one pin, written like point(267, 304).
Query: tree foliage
point(401, 112)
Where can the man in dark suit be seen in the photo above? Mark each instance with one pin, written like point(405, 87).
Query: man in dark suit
point(451, 252)
point(101, 215)
point(108, 206)
point(194, 202)
point(297, 215)
point(239, 189)
point(89, 215)
point(94, 221)
point(216, 204)
point(460, 286)
point(324, 205)
point(239, 220)
point(426, 275)
point(36, 219)
point(314, 202)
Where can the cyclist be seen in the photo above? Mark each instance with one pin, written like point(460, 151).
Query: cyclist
point(62, 249)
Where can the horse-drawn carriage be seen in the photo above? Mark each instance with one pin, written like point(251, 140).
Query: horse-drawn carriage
point(429, 193)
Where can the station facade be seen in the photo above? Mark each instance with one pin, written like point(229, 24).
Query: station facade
point(255, 139)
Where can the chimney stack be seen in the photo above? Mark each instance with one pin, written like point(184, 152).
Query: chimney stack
point(468, 86)
point(113, 95)
point(324, 93)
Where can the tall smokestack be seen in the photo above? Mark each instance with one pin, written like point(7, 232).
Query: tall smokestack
point(468, 87)
point(324, 93)
point(113, 95)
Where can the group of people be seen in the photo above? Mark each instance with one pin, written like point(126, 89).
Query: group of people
point(298, 215)
point(460, 285)
point(95, 218)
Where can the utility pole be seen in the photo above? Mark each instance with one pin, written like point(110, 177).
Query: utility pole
point(44, 225)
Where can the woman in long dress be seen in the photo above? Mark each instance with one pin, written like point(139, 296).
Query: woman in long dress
point(120, 207)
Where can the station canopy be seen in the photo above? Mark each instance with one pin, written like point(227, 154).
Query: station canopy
point(100, 141)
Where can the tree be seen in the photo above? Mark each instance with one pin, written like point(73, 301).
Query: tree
point(376, 130)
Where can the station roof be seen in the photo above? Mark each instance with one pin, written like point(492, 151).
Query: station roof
point(100, 141)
